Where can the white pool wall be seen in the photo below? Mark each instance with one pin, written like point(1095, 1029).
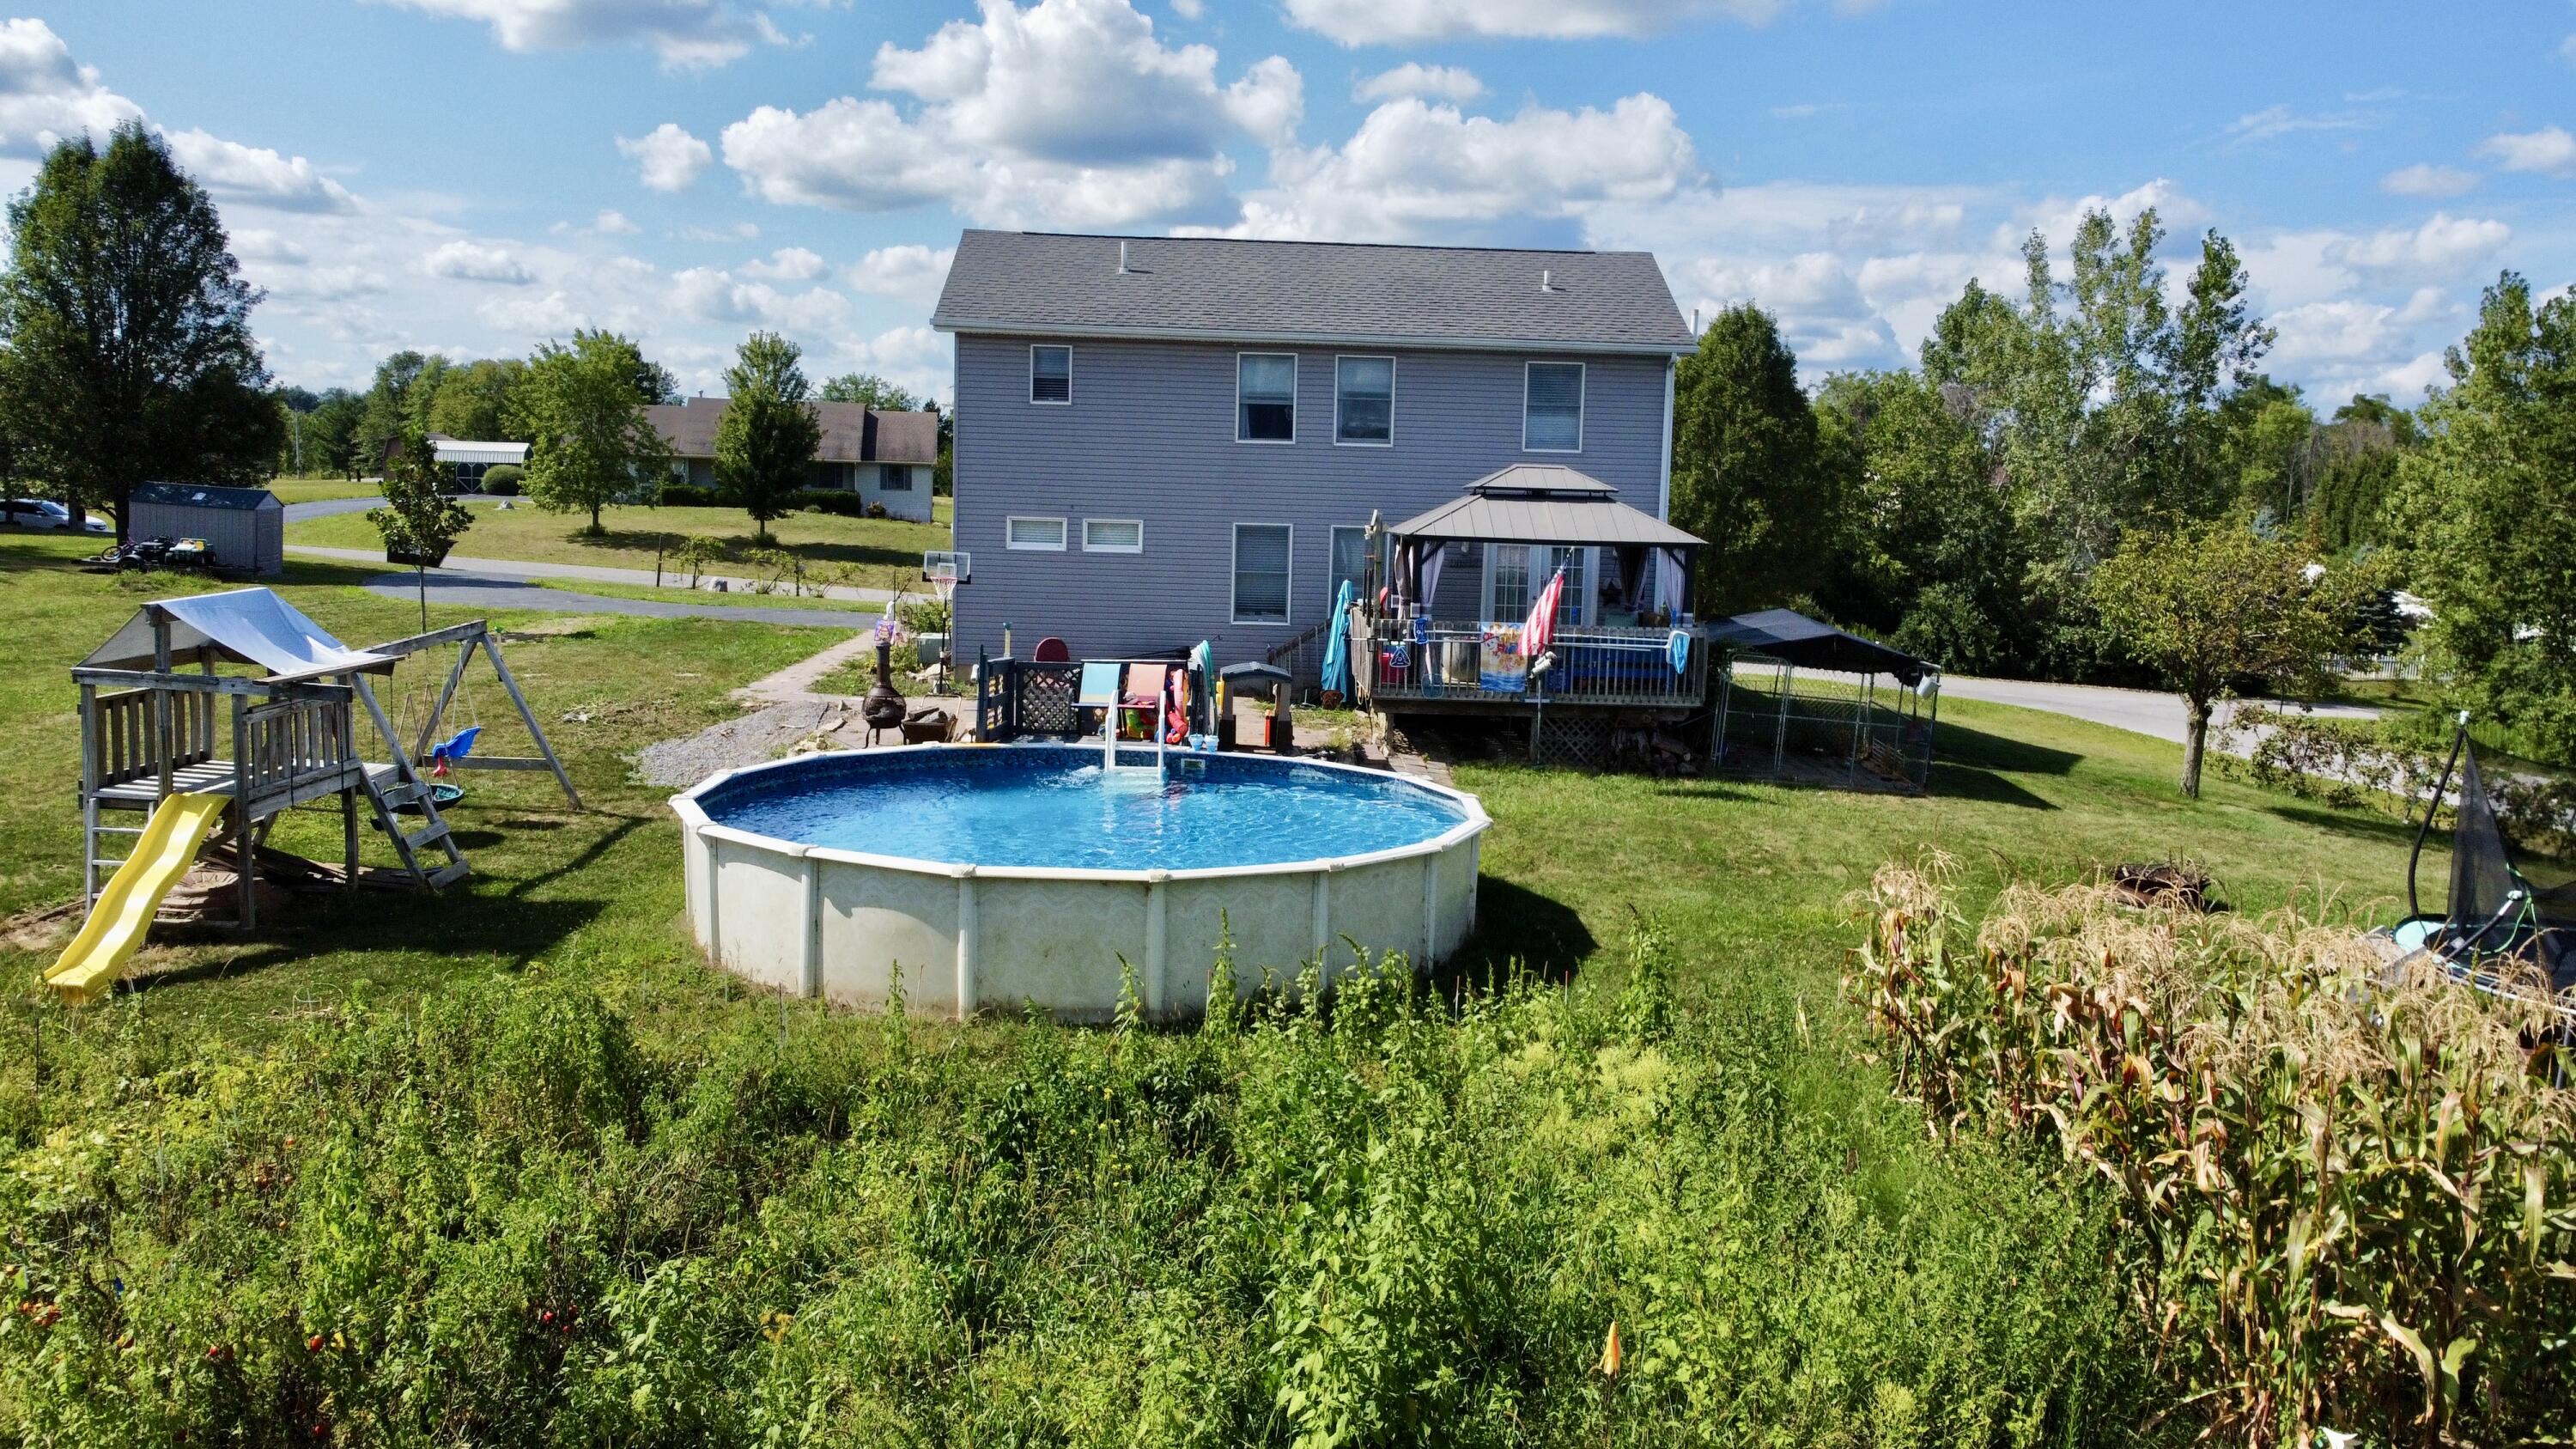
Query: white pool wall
point(812, 921)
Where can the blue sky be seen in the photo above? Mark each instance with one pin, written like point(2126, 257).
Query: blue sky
point(473, 176)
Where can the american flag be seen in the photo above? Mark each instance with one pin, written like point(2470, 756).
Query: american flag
point(1539, 630)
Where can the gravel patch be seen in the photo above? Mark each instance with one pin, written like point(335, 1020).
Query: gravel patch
point(752, 739)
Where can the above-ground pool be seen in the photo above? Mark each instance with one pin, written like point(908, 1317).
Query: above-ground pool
point(1001, 876)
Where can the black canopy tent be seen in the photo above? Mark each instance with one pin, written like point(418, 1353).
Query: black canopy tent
point(1788, 635)
point(1801, 698)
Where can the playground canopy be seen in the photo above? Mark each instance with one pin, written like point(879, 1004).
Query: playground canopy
point(243, 626)
point(1787, 635)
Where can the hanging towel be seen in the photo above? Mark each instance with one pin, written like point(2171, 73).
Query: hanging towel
point(1337, 644)
point(1677, 649)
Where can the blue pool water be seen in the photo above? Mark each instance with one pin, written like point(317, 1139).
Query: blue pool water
point(1042, 806)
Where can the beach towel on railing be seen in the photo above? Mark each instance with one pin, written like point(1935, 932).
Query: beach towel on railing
point(1500, 665)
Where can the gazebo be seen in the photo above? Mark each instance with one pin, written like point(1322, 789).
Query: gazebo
point(1441, 633)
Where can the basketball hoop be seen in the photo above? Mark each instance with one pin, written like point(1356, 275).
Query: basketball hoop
point(944, 570)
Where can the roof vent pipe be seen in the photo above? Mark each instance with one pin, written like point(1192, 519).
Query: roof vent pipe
point(1546, 280)
point(1122, 258)
point(1694, 321)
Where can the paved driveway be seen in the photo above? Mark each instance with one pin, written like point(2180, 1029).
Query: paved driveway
point(2143, 711)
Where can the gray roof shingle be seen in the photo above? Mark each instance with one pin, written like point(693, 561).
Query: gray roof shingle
point(1214, 288)
point(852, 432)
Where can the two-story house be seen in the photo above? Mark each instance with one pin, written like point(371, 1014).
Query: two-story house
point(1162, 440)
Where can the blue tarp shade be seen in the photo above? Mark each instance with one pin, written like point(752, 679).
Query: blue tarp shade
point(1337, 644)
point(1789, 635)
point(243, 626)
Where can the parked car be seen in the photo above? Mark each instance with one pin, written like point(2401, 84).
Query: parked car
point(44, 513)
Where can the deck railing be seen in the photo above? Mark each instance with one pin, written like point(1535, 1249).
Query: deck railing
point(130, 738)
point(1398, 660)
point(286, 741)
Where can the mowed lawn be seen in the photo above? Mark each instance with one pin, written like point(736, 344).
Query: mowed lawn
point(881, 552)
point(1750, 883)
point(318, 489)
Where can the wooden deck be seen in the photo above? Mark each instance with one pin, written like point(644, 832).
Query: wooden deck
point(216, 777)
point(1445, 668)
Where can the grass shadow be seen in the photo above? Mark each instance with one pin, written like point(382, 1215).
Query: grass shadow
point(464, 929)
point(2386, 829)
point(1957, 744)
point(1965, 782)
point(1518, 933)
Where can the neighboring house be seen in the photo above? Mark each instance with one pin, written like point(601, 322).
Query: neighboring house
point(1172, 439)
point(884, 457)
point(470, 459)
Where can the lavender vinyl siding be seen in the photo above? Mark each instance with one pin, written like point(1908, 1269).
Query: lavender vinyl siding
point(1150, 435)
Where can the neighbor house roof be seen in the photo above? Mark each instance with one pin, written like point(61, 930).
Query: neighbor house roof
point(204, 495)
point(476, 450)
point(1220, 289)
point(852, 432)
point(1544, 503)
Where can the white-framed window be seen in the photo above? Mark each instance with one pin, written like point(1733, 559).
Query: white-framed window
point(1265, 397)
point(1515, 572)
point(1113, 535)
point(894, 477)
point(1051, 374)
point(1552, 408)
point(1038, 535)
point(1261, 555)
point(1364, 402)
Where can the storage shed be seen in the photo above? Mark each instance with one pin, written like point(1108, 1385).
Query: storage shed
point(244, 528)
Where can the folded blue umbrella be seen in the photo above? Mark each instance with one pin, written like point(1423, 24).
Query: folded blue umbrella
point(1337, 644)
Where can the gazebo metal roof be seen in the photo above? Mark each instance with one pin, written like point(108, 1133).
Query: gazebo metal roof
point(1544, 503)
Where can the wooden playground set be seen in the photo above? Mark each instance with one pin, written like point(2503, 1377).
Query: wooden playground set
point(216, 714)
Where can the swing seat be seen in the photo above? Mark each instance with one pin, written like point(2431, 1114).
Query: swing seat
point(457, 746)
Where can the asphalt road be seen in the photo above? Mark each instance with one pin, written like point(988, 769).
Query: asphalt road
point(2142, 711)
point(478, 591)
point(329, 507)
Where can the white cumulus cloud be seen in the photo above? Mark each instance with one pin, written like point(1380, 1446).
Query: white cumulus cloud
point(2442, 246)
point(1452, 83)
point(1066, 112)
point(468, 261)
point(907, 270)
point(1388, 22)
point(2551, 151)
point(45, 96)
point(2426, 179)
point(666, 158)
point(787, 264)
point(684, 34)
point(711, 294)
point(257, 175)
point(1415, 171)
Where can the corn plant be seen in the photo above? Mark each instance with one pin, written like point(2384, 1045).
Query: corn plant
point(2347, 1190)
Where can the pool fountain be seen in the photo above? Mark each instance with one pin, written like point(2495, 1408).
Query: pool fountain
point(992, 877)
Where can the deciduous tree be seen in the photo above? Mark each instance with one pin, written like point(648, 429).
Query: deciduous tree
point(1745, 475)
point(419, 518)
point(590, 441)
point(2487, 513)
point(867, 387)
point(129, 355)
point(766, 441)
point(2215, 606)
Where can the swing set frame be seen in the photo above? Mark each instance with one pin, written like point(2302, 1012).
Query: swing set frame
point(469, 638)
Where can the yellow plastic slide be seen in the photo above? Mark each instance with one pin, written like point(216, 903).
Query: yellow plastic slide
point(162, 854)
